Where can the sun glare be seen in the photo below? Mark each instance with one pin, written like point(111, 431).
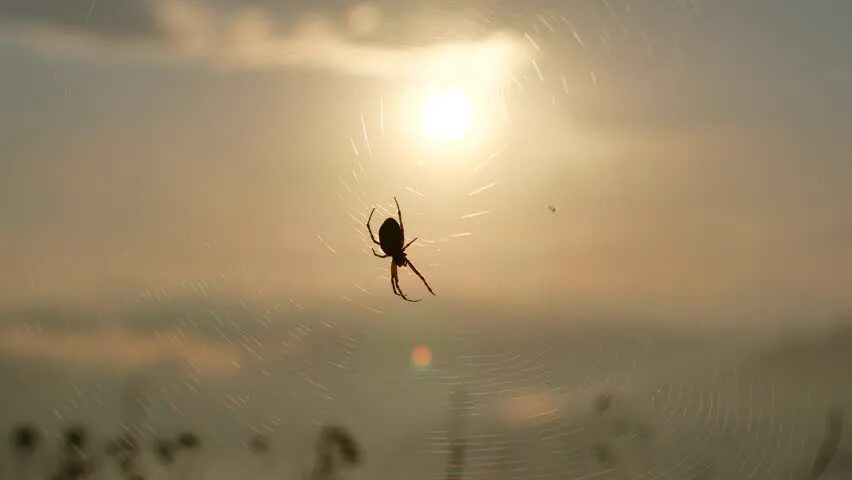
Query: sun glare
point(446, 115)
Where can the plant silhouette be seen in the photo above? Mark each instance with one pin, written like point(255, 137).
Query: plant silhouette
point(830, 442)
point(336, 448)
point(189, 441)
point(458, 443)
point(258, 444)
point(25, 439)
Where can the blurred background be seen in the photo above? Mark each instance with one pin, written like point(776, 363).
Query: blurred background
point(635, 215)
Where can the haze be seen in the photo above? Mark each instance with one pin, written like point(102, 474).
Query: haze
point(184, 187)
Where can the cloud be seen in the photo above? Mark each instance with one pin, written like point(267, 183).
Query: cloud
point(118, 349)
point(248, 36)
point(133, 19)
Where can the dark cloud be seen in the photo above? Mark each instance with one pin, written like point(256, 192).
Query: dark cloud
point(135, 19)
point(355, 38)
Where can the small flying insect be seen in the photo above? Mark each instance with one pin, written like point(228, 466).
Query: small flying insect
point(552, 208)
point(391, 239)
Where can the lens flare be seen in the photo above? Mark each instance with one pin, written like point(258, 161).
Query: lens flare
point(421, 356)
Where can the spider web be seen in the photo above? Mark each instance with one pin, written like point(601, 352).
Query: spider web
point(379, 172)
point(532, 410)
point(575, 404)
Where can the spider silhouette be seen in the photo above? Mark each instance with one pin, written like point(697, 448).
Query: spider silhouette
point(391, 239)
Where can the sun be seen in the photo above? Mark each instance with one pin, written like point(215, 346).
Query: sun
point(446, 115)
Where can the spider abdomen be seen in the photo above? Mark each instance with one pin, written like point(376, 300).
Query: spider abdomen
point(390, 237)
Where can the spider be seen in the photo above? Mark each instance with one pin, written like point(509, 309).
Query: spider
point(391, 239)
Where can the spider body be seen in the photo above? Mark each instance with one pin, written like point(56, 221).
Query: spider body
point(392, 242)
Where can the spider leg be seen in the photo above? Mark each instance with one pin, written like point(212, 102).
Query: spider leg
point(393, 278)
point(409, 243)
point(376, 254)
point(397, 288)
point(373, 237)
point(408, 262)
point(399, 214)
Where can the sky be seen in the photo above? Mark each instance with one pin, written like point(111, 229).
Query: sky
point(697, 152)
point(184, 188)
